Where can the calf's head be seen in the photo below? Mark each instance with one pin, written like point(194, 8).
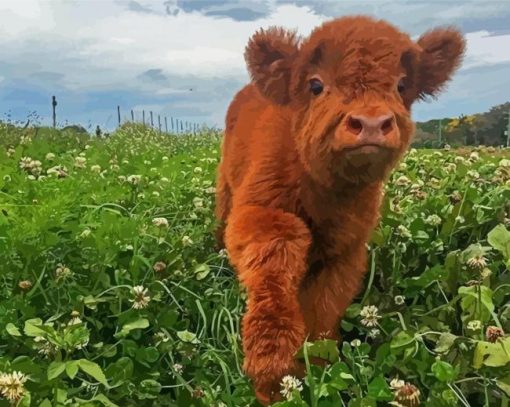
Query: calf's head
point(349, 88)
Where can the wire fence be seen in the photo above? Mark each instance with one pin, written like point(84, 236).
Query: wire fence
point(162, 123)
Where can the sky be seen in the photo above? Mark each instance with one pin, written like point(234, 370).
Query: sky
point(184, 58)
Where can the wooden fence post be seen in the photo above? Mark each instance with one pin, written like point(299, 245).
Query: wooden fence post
point(118, 114)
point(166, 125)
point(132, 116)
point(143, 117)
point(159, 123)
point(54, 105)
point(152, 120)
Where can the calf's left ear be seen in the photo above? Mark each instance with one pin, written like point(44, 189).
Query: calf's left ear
point(442, 50)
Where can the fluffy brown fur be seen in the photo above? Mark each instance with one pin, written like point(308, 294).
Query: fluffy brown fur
point(301, 177)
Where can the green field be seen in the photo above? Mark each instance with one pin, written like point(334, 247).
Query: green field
point(112, 292)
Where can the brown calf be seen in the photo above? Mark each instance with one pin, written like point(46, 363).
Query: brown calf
point(308, 145)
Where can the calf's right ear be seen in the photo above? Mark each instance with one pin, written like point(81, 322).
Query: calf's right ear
point(269, 56)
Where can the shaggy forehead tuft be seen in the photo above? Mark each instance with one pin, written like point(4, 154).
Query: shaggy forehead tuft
point(357, 48)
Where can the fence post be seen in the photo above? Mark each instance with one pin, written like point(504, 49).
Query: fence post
point(54, 104)
point(152, 120)
point(172, 122)
point(159, 123)
point(166, 125)
point(132, 116)
point(118, 114)
point(143, 117)
point(181, 126)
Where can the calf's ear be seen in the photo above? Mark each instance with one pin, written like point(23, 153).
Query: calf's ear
point(269, 56)
point(442, 53)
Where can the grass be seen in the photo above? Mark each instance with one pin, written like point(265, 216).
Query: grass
point(111, 291)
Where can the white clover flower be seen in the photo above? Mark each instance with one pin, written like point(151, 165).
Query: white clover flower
point(210, 190)
point(356, 343)
point(403, 231)
point(402, 181)
point(474, 325)
point(396, 384)
point(197, 170)
point(473, 174)
point(134, 179)
point(44, 347)
point(505, 163)
point(12, 386)
point(164, 158)
point(122, 178)
point(477, 263)
point(450, 167)
point(160, 222)
point(288, 385)
point(7, 178)
point(95, 168)
point(75, 319)
point(50, 157)
point(447, 147)
point(474, 156)
point(399, 299)
point(198, 202)
point(164, 179)
point(406, 395)
point(80, 162)
point(370, 315)
point(434, 183)
point(142, 298)
point(59, 170)
point(374, 333)
point(62, 272)
point(33, 167)
point(433, 220)
point(11, 152)
point(460, 219)
point(459, 160)
point(177, 368)
point(485, 273)
point(223, 253)
point(155, 194)
point(186, 241)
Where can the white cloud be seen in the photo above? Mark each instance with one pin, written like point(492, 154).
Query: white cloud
point(107, 44)
point(484, 49)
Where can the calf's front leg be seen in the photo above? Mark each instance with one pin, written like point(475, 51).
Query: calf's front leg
point(268, 248)
point(325, 298)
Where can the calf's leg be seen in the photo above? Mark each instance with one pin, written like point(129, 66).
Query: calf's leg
point(325, 299)
point(268, 248)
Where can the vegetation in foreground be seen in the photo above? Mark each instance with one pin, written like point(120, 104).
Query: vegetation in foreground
point(112, 293)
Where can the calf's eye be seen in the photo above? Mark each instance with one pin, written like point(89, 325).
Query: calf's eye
point(316, 86)
point(401, 87)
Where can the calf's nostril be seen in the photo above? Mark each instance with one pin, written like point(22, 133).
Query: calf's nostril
point(354, 125)
point(387, 126)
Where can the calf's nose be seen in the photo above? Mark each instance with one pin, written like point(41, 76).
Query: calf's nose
point(370, 126)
